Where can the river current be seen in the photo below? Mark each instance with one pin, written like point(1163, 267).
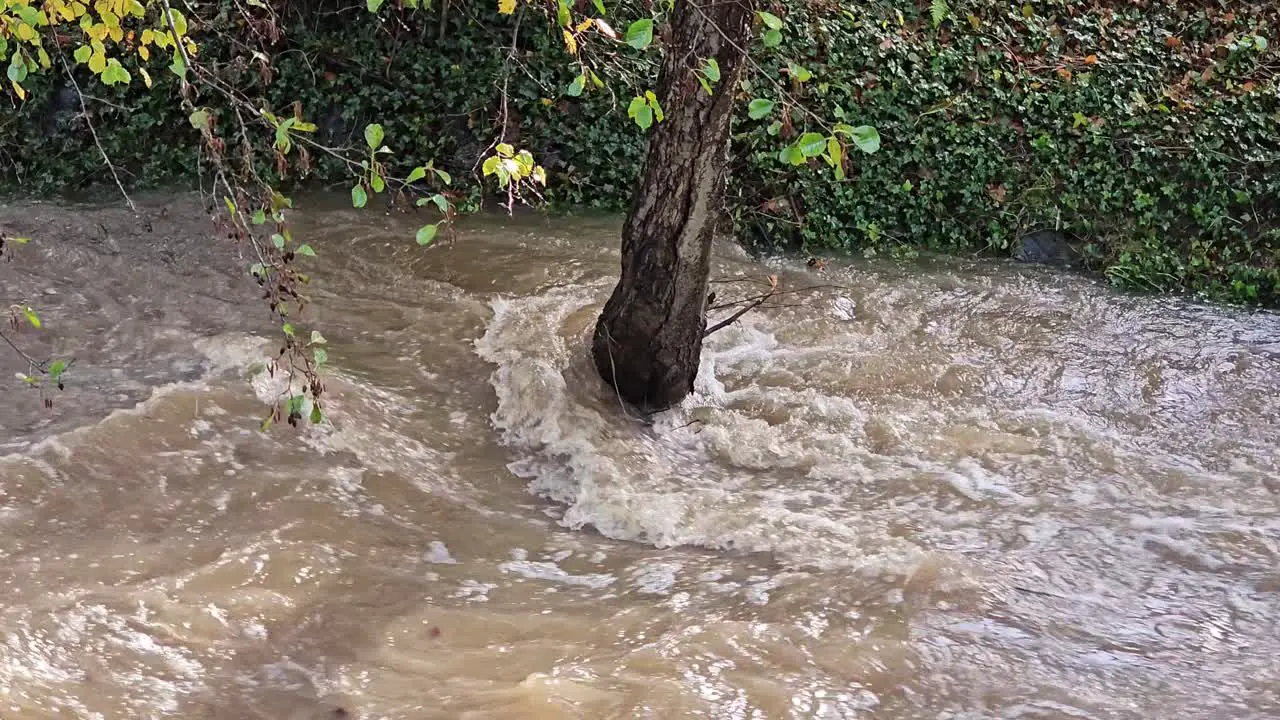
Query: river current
point(946, 490)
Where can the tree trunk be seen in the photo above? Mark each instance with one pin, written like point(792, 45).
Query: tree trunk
point(648, 340)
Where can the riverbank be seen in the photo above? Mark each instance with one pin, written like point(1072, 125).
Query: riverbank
point(1147, 137)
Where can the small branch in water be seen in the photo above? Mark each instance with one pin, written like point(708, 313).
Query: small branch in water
point(750, 304)
point(35, 364)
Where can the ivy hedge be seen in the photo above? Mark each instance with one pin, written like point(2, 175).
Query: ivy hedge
point(1147, 132)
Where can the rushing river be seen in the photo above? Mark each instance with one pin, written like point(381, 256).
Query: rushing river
point(951, 490)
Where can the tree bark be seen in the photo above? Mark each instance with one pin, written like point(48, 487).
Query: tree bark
point(648, 340)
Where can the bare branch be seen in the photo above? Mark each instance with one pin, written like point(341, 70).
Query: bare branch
point(750, 305)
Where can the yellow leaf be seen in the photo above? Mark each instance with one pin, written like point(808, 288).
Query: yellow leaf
point(146, 77)
point(43, 57)
point(506, 7)
point(584, 25)
point(570, 43)
point(98, 63)
point(144, 53)
point(22, 94)
point(116, 33)
point(25, 32)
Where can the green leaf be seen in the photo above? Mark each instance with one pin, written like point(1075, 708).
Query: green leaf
point(378, 183)
point(577, 86)
point(640, 111)
point(295, 404)
point(600, 7)
point(277, 240)
point(17, 69)
point(799, 72)
point(444, 176)
point(317, 416)
point(775, 127)
point(490, 165)
point(771, 21)
point(426, 234)
point(359, 198)
point(231, 205)
point(640, 34)
point(82, 54)
point(834, 152)
point(1259, 43)
point(712, 70)
point(259, 217)
point(306, 250)
point(373, 135)
point(759, 108)
point(20, 240)
point(441, 202)
point(938, 10)
point(417, 174)
point(178, 66)
point(772, 39)
point(288, 329)
point(812, 144)
point(866, 138)
point(374, 5)
point(56, 369)
point(317, 338)
point(791, 155)
point(563, 16)
point(321, 356)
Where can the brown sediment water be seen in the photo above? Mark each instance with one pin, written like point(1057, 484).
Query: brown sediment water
point(945, 490)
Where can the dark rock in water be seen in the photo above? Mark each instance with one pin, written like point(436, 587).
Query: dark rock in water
point(1045, 247)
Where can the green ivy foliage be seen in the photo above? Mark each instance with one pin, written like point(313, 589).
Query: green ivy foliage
point(1148, 132)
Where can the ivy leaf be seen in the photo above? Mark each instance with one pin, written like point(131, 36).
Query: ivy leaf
point(771, 21)
point(775, 127)
point(772, 39)
point(426, 234)
point(640, 34)
point(799, 72)
point(812, 144)
point(866, 138)
point(759, 108)
point(359, 198)
point(373, 135)
point(577, 86)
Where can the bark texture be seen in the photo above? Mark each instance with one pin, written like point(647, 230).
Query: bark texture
point(648, 340)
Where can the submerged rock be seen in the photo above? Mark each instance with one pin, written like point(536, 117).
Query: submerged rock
point(1045, 247)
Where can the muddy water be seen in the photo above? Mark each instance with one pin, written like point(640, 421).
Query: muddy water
point(945, 491)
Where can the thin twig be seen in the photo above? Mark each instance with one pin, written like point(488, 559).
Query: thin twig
point(35, 364)
point(753, 304)
point(84, 110)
